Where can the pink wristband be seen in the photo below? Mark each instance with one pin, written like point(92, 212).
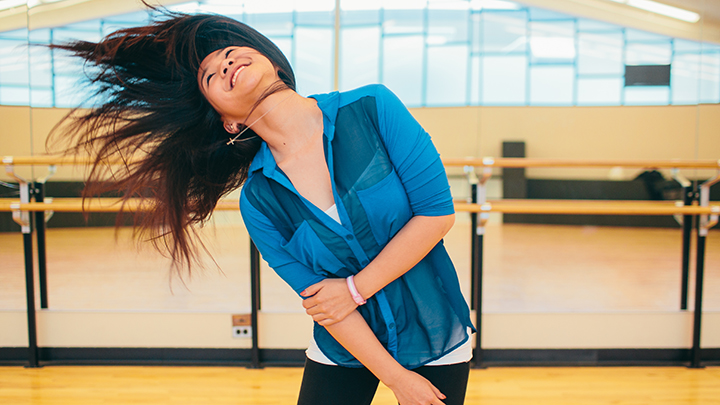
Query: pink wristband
point(354, 292)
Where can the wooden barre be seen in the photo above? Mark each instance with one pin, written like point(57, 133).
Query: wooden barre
point(48, 160)
point(94, 205)
point(569, 207)
point(587, 207)
point(484, 162)
point(535, 162)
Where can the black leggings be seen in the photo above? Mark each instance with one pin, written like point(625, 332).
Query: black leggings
point(334, 385)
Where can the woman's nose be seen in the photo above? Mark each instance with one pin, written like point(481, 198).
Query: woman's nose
point(226, 66)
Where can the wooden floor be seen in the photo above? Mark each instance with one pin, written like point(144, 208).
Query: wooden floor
point(528, 268)
point(217, 385)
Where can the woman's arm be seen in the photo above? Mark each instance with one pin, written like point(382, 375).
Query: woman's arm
point(330, 301)
point(354, 334)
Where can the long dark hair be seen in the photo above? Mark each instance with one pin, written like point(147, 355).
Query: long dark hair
point(148, 111)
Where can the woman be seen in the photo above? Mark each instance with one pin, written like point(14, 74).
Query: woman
point(344, 195)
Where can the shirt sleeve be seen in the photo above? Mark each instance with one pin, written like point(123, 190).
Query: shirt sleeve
point(414, 157)
point(269, 242)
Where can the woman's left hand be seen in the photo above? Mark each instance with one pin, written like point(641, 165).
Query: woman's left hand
point(329, 301)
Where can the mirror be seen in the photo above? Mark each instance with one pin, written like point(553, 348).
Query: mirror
point(520, 77)
point(15, 140)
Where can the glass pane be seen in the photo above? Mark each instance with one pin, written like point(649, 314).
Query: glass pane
point(68, 91)
point(682, 45)
point(447, 75)
point(403, 21)
point(636, 35)
point(320, 18)
point(654, 95)
point(448, 25)
point(272, 25)
point(356, 12)
point(657, 53)
point(359, 57)
point(40, 67)
point(13, 62)
point(40, 36)
point(504, 80)
point(551, 85)
point(474, 80)
point(599, 91)
point(541, 14)
point(314, 60)
point(41, 97)
point(11, 95)
point(504, 32)
point(710, 78)
point(552, 42)
point(285, 45)
point(402, 72)
point(600, 53)
point(591, 25)
point(685, 78)
point(65, 34)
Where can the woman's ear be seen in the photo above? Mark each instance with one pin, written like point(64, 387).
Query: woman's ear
point(231, 127)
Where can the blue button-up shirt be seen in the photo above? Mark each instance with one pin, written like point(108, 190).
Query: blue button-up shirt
point(384, 170)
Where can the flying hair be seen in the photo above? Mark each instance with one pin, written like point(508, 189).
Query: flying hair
point(147, 111)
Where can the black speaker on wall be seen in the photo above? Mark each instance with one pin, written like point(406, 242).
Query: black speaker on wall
point(647, 75)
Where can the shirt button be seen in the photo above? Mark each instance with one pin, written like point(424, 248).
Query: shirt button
point(364, 263)
point(349, 237)
point(391, 326)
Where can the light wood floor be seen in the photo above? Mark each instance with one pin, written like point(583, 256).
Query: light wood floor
point(218, 385)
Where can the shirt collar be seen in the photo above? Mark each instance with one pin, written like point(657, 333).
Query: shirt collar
point(328, 104)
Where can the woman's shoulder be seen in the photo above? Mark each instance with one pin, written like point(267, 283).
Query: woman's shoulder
point(376, 90)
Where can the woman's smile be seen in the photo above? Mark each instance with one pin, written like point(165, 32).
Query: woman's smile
point(227, 84)
point(235, 75)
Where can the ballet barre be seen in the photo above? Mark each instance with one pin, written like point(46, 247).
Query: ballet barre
point(479, 215)
point(478, 206)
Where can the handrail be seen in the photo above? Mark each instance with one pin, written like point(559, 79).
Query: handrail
point(450, 162)
point(587, 207)
point(509, 206)
point(46, 160)
point(537, 162)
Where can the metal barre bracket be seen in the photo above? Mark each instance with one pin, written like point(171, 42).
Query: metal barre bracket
point(708, 221)
point(21, 217)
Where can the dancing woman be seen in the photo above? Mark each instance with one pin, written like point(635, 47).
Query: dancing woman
point(344, 195)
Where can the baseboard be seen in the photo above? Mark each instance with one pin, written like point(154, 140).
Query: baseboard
point(296, 357)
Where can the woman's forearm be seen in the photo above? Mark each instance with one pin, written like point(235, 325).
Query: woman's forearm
point(405, 250)
point(354, 334)
point(329, 301)
point(409, 387)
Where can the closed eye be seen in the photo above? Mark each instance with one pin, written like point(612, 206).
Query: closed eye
point(228, 53)
point(207, 82)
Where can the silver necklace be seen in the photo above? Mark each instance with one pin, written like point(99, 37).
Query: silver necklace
point(233, 140)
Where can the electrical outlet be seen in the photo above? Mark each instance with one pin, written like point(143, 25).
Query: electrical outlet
point(242, 331)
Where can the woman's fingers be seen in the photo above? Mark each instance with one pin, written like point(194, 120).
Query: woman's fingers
point(328, 302)
point(415, 389)
point(312, 290)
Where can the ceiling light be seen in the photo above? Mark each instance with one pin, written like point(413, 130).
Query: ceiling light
point(664, 9)
point(8, 4)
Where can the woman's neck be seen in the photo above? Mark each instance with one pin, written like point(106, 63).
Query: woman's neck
point(290, 127)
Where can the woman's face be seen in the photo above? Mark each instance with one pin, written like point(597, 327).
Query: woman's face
point(232, 79)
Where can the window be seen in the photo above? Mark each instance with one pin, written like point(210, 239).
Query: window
point(429, 52)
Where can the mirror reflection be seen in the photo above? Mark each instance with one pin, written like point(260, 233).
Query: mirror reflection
point(484, 77)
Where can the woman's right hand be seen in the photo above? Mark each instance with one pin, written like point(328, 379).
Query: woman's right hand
point(411, 388)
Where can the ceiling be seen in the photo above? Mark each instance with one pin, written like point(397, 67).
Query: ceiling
point(709, 10)
point(707, 29)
